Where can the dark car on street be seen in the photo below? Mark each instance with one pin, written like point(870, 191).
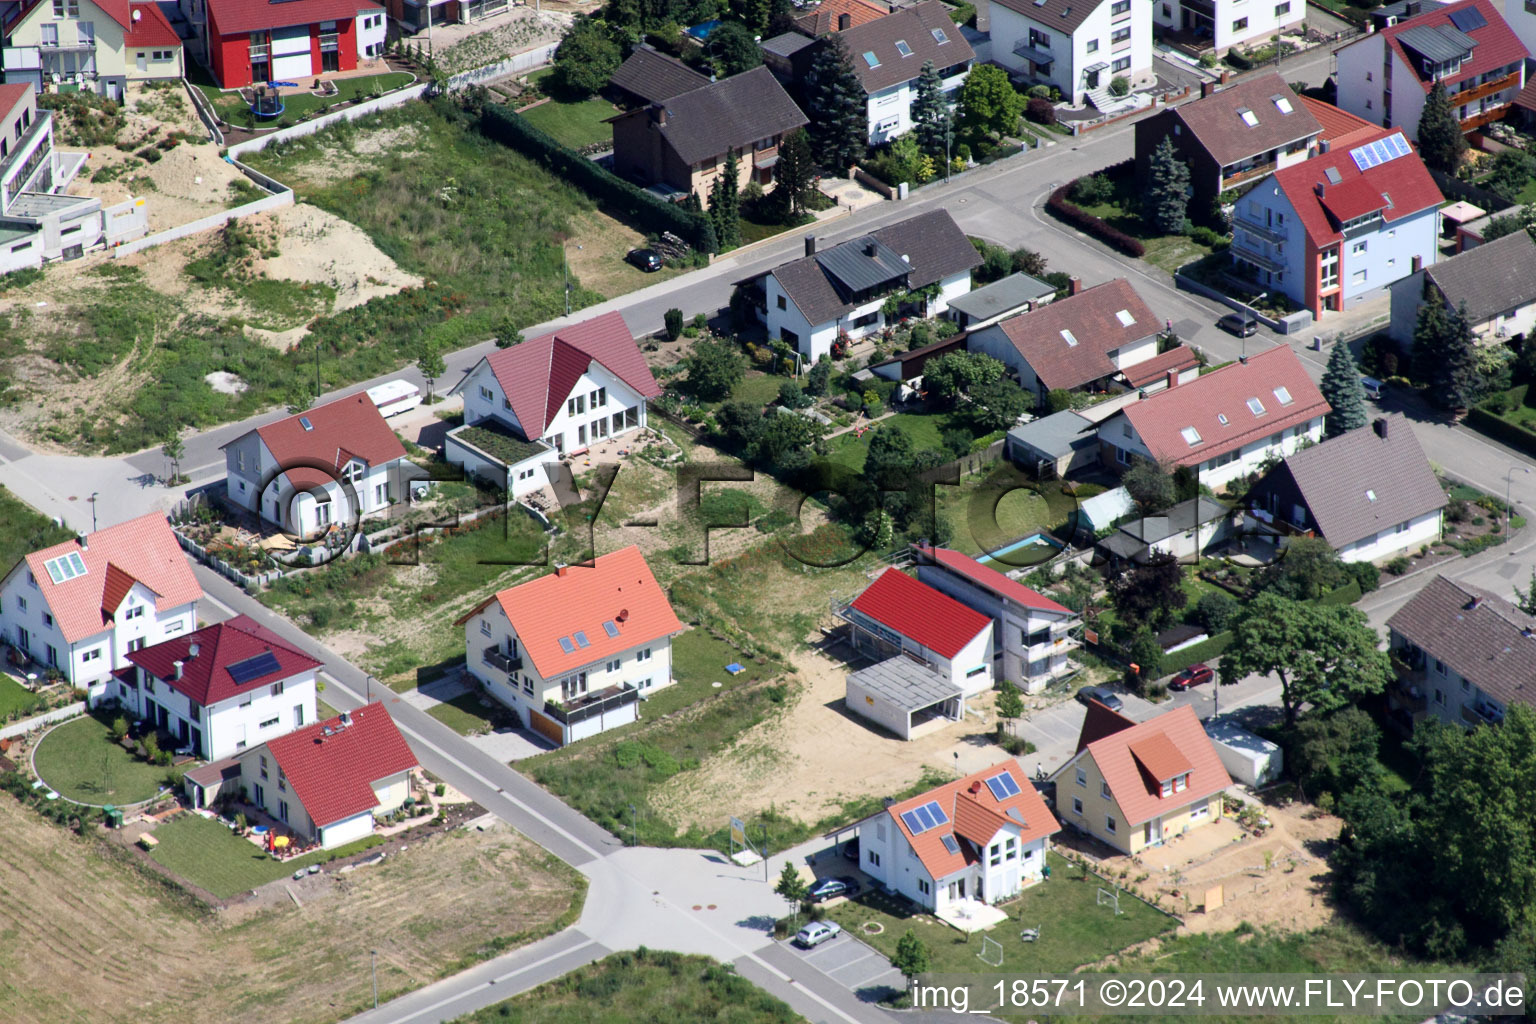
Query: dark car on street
point(648, 260)
point(829, 888)
point(1241, 324)
point(1089, 694)
point(1195, 675)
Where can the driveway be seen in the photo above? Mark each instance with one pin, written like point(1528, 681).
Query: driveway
point(860, 968)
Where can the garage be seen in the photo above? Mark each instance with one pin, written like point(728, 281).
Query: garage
point(902, 696)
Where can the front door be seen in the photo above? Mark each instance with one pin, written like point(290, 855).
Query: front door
point(142, 62)
point(1147, 834)
point(23, 639)
point(197, 740)
point(1093, 79)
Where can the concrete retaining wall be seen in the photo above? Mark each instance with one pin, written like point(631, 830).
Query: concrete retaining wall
point(515, 64)
point(284, 198)
point(1289, 324)
point(26, 725)
point(352, 113)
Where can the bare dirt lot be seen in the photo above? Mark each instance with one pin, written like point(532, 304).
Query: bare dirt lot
point(88, 937)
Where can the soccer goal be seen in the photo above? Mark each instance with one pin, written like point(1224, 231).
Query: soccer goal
point(1110, 898)
point(991, 952)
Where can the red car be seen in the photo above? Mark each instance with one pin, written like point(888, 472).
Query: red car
point(1195, 675)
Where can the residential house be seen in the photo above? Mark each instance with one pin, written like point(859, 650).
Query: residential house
point(1229, 23)
point(1032, 635)
point(985, 306)
point(649, 76)
point(898, 616)
point(1134, 785)
point(554, 395)
point(1370, 493)
point(330, 780)
point(1054, 445)
point(684, 142)
point(1083, 341)
point(1340, 128)
point(925, 261)
point(1223, 424)
point(1232, 136)
point(1079, 46)
point(320, 469)
point(1338, 229)
point(96, 45)
point(982, 839)
point(838, 16)
point(222, 688)
point(1495, 283)
point(1462, 654)
point(1385, 76)
point(249, 42)
point(1521, 18)
point(79, 607)
point(1184, 531)
point(1523, 106)
point(889, 54)
point(412, 16)
point(571, 653)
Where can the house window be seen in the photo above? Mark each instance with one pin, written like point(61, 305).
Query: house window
point(134, 612)
point(1109, 823)
point(485, 393)
point(925, 887)
point(277, 687)
point(573, 685)
point(1010, 849)
point(53, 656)
point(282, 809)
point(1358, 277)
point(1329, 268)
point(1104, 789)
point(66, 8)
point(1181, 783)
point(1077, 805)
point(1082, 777)
point(91, 655)
point(47, 620)
point(21, 603)
point(874, 858)
point(1357, 248)
point(613, 666)
point(782, 303)
point(485, 628)
point(1282, 9)
point(1167, 789)
point(1093, 46)
point(643, 655)
point(1123, 64)
point(1121, 36)
point(1440, 697)
point(263, 767)
point(996, 858)
point(1240, 25)
point(269, 723)
point(282, 780)
point(978, 670)
point(1039, 40)
point(527, 684)
point(1120, 7)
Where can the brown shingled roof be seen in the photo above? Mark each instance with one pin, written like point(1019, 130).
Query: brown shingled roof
point(1091, 317)
point(1479, 635)
point(913, 26)
point(1216, 120)
point(729, 114)
point(655, 77)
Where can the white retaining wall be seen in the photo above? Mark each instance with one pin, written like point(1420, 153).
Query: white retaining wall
point(314, 125)
point(26, 725)
point(204, 224)
point(518, 62)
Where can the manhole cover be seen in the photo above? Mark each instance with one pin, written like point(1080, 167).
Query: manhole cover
point(712, 906)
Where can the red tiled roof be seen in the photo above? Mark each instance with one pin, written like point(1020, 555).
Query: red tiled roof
point(1099, 722)
point(1159, 758)
point(205, 677)
point(1180, 358)
point(1172, 738)
point(537, 376)
point(976, 816)
point(143, 549)
point(1338, 125)
point(1525, 99)
point(1357, 192)
point(346, 429)
point(990, 579)
point(1091, 317)
point(824, 18)
point(332, 767)
point(149, 27)
point(617, 587)
point(1160, 418)
point(1497, 44)
point(237, 17)
point(917, 611)
point(11, 95)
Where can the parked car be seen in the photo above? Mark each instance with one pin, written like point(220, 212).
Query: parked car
point(1244, 325)
point(648, 260)
point(1089, 694)
point(1373, 388)
point(851, 850)
point(817, 932)
point(829, 888)
point(1195, 675)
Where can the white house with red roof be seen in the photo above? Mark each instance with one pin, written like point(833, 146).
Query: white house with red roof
point(1134, 785)
point(1338, 229)
point(329, 780)
point(320, 468)
point(96, 45)
point(551, 396)
point(980, 839)
point(221, 688)
point(80, 607)
point(1031, 634)
point(572, 653)
point(251, 42)
point(1386, 76)
point(897, 615)
point(1223, 424)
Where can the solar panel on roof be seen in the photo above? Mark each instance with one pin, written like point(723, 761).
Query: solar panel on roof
point(933, 808)
point(1468, 19)
point(581, 639)
point(263, 664)
point(1003, 785)
point(65, 567)
point(914, 826)
point(567, 646)
point(949, 843)
point(920, 819)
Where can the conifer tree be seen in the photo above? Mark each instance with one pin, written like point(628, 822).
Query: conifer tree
point(1167, 196)
point(1441, 144)
point(1341, 386)
point(837, 107)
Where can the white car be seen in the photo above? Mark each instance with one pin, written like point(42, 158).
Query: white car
point(817, 932)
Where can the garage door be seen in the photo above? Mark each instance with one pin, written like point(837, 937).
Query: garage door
point(546, 727)
point(291, 58)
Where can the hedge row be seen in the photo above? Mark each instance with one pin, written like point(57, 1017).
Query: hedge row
point(1205, 650)
point(1099, 228)
point(1517, 437)
point(651, 213)
point(1349, 593)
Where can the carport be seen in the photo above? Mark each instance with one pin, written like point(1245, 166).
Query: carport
point(903, 696)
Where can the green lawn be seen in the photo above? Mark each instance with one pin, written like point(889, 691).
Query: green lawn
point(79, 760)
point(1074, 929)
point(574, 123)
point(924, 428)
point(299, 103)
point(645, 985)
point(210, 856)
point(464, 714)
point(15, 698)
point(991, 514)
point(1168, 252)
point(756, 231)
point(698, 662)
point(24, 530)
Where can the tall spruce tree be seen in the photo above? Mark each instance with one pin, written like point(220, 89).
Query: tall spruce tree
point(794, 173)
point(1445, 352)
point(1341, 386)
point(725, 204)
point(930, 114)
point(1441, 144)
point(1167, 195)
point(837, 107)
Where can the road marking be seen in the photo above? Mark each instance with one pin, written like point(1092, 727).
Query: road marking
point(488, 984)
point(801, 988)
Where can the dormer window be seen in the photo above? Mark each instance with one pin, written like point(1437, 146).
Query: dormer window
point(1177, 784)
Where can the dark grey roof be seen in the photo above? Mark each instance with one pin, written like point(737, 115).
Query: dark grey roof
point(1492, 278)
point(931, 245)
point(655, 77)
point(914, 27)
point(1479, 635)
point(1060, 15)
point(787, 45)
point(729, 114)
point(1178, 519)
point(862, 263)
point(1058, 434)
point(905, 683)
point(1359, 483)
point(1003, 296)
point(1439, 43)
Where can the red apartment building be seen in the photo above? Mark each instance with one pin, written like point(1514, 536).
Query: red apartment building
point(258, 41)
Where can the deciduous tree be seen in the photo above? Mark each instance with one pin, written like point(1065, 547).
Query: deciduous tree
point(1307, 570)
point(989, 104)
point(956, 373)
point(1150, 486)
point(912, 957)
point(429, 362)
point(733, 49)
point(791, 886)
point(586, 59)
point(1341, 386)
point(714, 368)
point(998, 405)
point(1149, 594)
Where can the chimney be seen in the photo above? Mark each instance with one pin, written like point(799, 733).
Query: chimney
point(1074, 286)
point(1323, 146)
point(561, 569)
point(192, 650)
point(658, 114)
point(869, 248)
point(1207, 89)
point(1418, 264)
point(810, 245)
point(85, 541)
point(1411, 8)
point(1472, 604)
point(1226, 76)
point(844, 21)
point(1173, 379)
point(176, 669)
point(1322, 189)
point(346, 719)
point(1380, 426)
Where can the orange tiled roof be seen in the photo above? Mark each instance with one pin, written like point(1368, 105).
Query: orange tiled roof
point(1175, 734)
point(975, 816)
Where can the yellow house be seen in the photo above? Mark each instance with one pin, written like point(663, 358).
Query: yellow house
point(1135, 785)
point(93, 45)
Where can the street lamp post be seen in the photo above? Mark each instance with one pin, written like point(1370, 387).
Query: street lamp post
point(1509, 479)
point(634, 826)
point(92, 500)
point(375, 955)
point(1255, 312)
point(370, 688)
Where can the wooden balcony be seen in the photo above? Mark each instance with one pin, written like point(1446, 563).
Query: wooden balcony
point(1251, 174)
point(1472, 95)
point(1487, 117)
point(1264, 231)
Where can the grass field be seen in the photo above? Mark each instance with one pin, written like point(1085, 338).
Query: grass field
point(645, 985)
point(211, 857)
point(464, 714)
point(1169, 252)
point(1074, 929)
point(15, 698)
point(114, 943)
point(573, 123)
point(79, 760)
point(925, 430)
point(24, 530)
point(298, 104)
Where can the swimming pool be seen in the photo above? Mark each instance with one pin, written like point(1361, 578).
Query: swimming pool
point(1032, 550)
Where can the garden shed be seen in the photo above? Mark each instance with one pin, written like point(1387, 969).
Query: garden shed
point(1251, 760)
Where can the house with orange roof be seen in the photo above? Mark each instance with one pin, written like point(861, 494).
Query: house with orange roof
point(982, 838)
point(572, 653)
point(79, 608)
point(94, 45)
point(1138, 784)
point(320, 469)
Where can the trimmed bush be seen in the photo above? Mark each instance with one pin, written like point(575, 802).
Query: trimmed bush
point(1517, 437)
point(1065, 210)
point(1205, 650)
point(1040, 110)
